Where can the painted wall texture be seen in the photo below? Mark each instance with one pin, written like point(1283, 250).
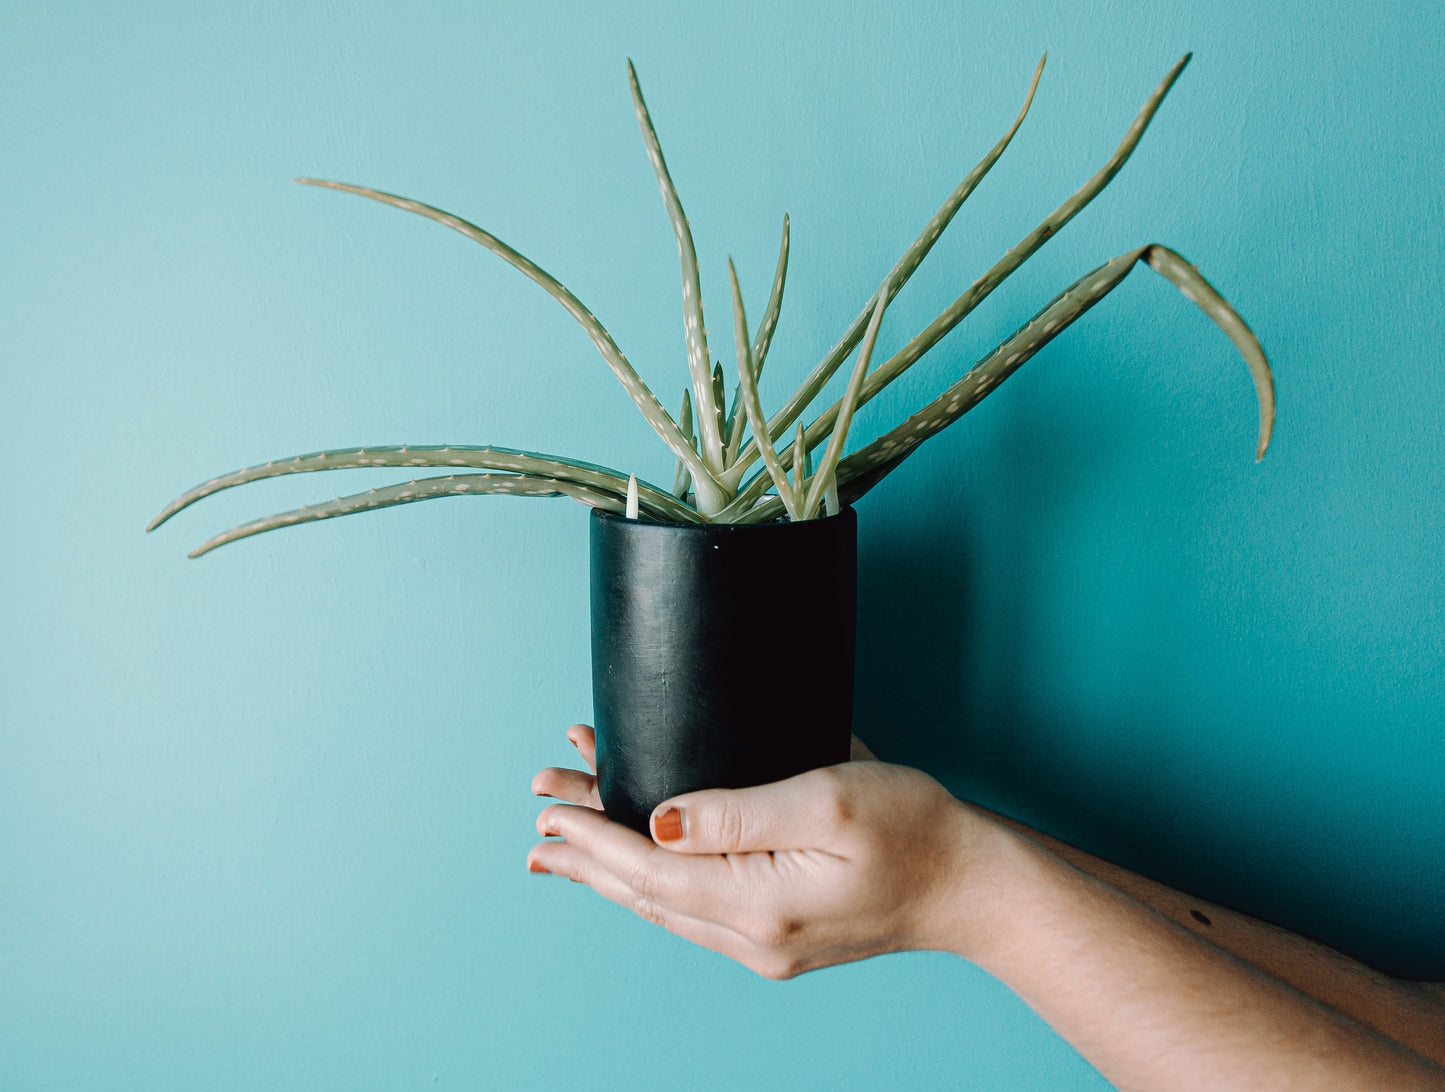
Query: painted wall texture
point(263, 815)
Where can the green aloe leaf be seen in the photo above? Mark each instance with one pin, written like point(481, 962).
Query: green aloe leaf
point(890, 369)
point(897, 277)
point(828, 465)
point(681, 479)
point(631, 507)
point(885, 453)
point(737, 422)
point(762, 340)
point(719, 399)
point(641, 395)
point(802, 469)
point(457, 455)
point(1185, 277)
point(694, 329)
point(752, 406)
point(455, 485)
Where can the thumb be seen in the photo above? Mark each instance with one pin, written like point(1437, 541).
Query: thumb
point(799, 813)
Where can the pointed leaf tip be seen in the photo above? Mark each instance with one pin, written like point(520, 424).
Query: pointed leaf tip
point(631, 510)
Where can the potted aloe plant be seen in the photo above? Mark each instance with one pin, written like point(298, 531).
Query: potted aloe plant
point(676, 573)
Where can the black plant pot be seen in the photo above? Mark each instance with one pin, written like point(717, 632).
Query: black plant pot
point(722, 654)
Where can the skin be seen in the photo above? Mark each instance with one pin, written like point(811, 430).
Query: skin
point(1161, 992)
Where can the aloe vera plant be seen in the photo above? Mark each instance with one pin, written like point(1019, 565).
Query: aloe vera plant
point(716, 446)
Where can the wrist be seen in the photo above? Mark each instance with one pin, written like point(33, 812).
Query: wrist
point(987, 869)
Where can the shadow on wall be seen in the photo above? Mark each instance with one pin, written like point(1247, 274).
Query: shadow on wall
point(937, 691)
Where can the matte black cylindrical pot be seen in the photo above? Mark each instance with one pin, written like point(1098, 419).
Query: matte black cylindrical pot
point(722, 654)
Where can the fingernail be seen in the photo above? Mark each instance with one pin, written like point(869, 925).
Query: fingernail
point(536, 866)
point(667, 825)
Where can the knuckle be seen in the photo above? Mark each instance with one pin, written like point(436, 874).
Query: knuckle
point(836, 799)
point(568, 868)
point(774, 932)
point(754, 929)
point(644, 885)
point(729, 824)
point(645, 907)
point(778, 967)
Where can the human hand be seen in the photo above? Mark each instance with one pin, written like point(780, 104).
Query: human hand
point(830, 866)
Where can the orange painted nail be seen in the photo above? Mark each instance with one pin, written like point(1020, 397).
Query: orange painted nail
point(536, 866)
point(667, 825)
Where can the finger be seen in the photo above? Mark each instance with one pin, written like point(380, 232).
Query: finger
point(860, 752)
point(574, 786)
point(803, 812)
point(709, 888)
point(566, 859)
point(584, 739)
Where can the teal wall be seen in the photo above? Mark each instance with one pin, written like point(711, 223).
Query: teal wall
point(263, 816)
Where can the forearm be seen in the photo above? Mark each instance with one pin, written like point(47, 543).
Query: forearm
point(1411, 1013)
point(1152, 1006)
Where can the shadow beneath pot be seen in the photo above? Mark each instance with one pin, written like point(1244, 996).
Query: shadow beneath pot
point(914, 648)
point(953, 670)
point(922, 700)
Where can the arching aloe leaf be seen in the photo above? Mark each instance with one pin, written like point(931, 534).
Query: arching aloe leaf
point(892, 368)
point(828, 465)
point(458, 455)
point(893, 447)
point(751, 404)
point(1185, 277)
point(694, 329)
point(897, 277)
point(762, 340)
point(641, 395)
point(456, 485)
point(980, 289)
